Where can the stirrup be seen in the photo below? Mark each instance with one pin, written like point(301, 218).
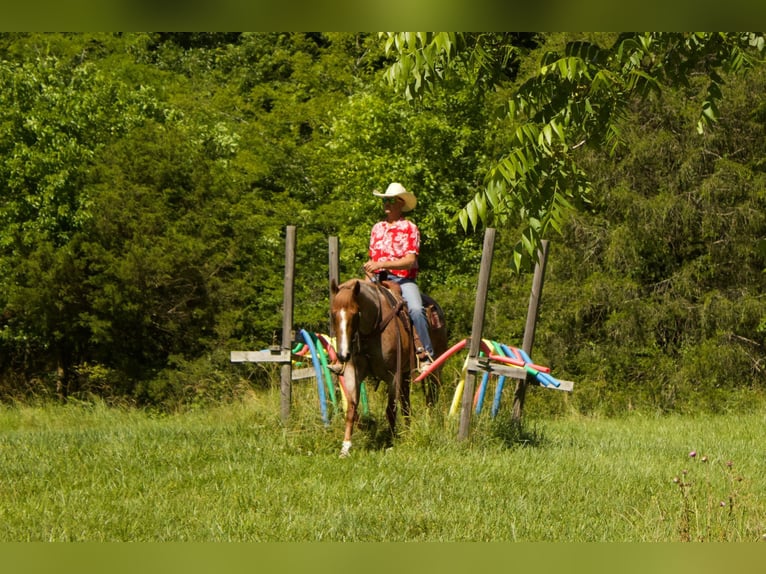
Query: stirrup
point(424, 355)
point(424, 359)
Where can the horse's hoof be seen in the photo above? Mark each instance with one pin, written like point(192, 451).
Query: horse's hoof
point(345, 450)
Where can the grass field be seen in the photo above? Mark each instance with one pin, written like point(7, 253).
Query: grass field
point(89, 472)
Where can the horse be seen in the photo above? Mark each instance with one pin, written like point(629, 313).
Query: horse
point(375, 339)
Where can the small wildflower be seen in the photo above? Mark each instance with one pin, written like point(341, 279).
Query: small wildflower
point(676, 480)
point(704, 459)
point(693, 453)
point(723, 504)
point(684, 471)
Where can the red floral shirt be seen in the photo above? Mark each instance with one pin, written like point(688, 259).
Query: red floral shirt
point(390, 241)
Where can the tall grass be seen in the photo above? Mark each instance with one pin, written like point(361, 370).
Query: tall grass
point(89, 472)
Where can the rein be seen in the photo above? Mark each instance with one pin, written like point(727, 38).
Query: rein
point(382, 321)
point(396, 307)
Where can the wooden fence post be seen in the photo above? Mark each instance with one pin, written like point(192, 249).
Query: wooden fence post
point(529, 330)
point(476, 331)
point(287, 323)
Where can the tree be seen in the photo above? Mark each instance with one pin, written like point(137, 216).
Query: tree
point(56, 113)
point(574, 98)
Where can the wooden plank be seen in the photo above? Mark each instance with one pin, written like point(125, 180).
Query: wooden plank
point(483, 366)
point(305, 373)
point(480, 366)
point(261, 357)
point(563, 386)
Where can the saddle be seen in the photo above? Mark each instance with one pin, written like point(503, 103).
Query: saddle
point(431, 307)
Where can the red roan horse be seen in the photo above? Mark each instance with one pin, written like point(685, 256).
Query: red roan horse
point(375, 340)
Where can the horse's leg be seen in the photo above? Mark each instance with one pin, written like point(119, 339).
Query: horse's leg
point(391, 407)
point(431, 385)
point(352, 390)
point(404, 397)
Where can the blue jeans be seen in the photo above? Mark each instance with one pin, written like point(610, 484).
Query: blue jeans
point(411, 294)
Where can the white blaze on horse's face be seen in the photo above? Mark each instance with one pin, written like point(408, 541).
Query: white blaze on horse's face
point(344, 340)
point(345, 312)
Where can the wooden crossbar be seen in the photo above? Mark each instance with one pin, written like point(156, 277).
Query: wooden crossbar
point(261, 357)
point(482, 365)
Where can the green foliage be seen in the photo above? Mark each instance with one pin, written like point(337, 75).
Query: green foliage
point(148, 178)
point(58, 114)
point(660, 299)
point(576, 96)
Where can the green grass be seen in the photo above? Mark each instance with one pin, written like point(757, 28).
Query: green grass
point(89, 472)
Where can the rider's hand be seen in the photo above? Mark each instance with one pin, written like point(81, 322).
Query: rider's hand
point(372, 266)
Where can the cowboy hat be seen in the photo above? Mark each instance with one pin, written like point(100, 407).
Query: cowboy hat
point(397, 190)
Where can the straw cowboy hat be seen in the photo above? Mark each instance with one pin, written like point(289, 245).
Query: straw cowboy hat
point(397, 190)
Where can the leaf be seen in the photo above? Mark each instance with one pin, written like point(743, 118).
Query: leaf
point(710, 111)
point(472, 211)
point(558, 129)
point(547, 131)
point(517, 257)
point(507, 168)
point(493, 194)
point(463, 218)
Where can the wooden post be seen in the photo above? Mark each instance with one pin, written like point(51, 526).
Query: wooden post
point(529, 330)
point(287, 322)
point(334, 273)
point(476, 331)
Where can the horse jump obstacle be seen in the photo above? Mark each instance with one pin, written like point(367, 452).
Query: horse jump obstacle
point(283, 354)
point(280, 354)
point(476, 364)
point(490, 364)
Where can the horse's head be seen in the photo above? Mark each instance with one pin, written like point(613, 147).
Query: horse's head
point(345, 316)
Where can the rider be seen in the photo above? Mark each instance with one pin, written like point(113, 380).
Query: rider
point(394, 248)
